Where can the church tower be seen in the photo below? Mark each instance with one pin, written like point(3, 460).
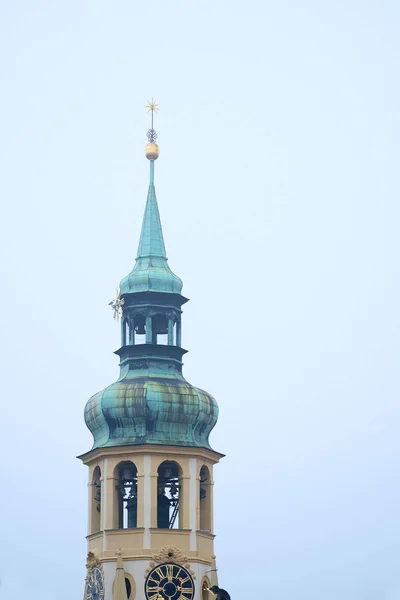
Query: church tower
point(150, 488)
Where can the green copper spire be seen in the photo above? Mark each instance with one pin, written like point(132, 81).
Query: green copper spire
point(151, 272)
point(151, 238)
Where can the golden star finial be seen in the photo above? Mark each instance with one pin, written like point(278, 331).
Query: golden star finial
point(152, 106)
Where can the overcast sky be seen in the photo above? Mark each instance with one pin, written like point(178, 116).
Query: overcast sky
point(278, 189)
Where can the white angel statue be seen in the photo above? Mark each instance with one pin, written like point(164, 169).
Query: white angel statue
point(117, 305)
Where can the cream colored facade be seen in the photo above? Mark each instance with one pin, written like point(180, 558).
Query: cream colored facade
point(194, 537)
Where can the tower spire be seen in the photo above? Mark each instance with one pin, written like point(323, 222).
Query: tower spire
point(151, 241)
point(151, 271)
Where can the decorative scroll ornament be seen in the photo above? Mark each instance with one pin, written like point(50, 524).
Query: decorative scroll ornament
point(94, 582)
point(117, 305)
point(152, 136)
point(92, 561)
point(170, 554)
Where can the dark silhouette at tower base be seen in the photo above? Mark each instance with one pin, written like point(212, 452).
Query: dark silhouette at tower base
point(220, 593)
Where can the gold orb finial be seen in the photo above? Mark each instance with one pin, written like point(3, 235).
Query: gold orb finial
point(152, 151)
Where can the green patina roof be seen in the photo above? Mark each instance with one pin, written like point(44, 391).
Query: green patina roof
point(151, 271)
point(140, 409)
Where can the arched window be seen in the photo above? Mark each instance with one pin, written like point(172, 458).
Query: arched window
point(96, 500)
point(160, 329)
point(127, 495)
point(205, 500)
point(168, 495)
point(139, 328)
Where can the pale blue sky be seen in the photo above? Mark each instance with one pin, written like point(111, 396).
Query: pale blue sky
point(278, 190)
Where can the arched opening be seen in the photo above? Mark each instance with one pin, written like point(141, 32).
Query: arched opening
point(205, 500)
point(139, 329)
point(127, 495)
point(128, 588)
point(160, 329)
point(168, 495)
point(96, 500)
point(205, 586)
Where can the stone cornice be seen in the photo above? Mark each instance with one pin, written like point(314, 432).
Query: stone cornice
point(146, 555)
point(206, 454)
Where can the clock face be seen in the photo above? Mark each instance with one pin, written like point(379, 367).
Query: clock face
point(170, 581)
point(95, 585)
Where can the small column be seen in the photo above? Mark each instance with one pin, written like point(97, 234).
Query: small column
point(90, 501)
point(153, 495)
point(194, 494)
point(178, 333)
point(149, 334)
point(140, 498)
point(170, 332)
point(211, 490)
point(146, 509)
point(131, 333)
point(109, 496)
point(184, 502)
point(123, 333)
